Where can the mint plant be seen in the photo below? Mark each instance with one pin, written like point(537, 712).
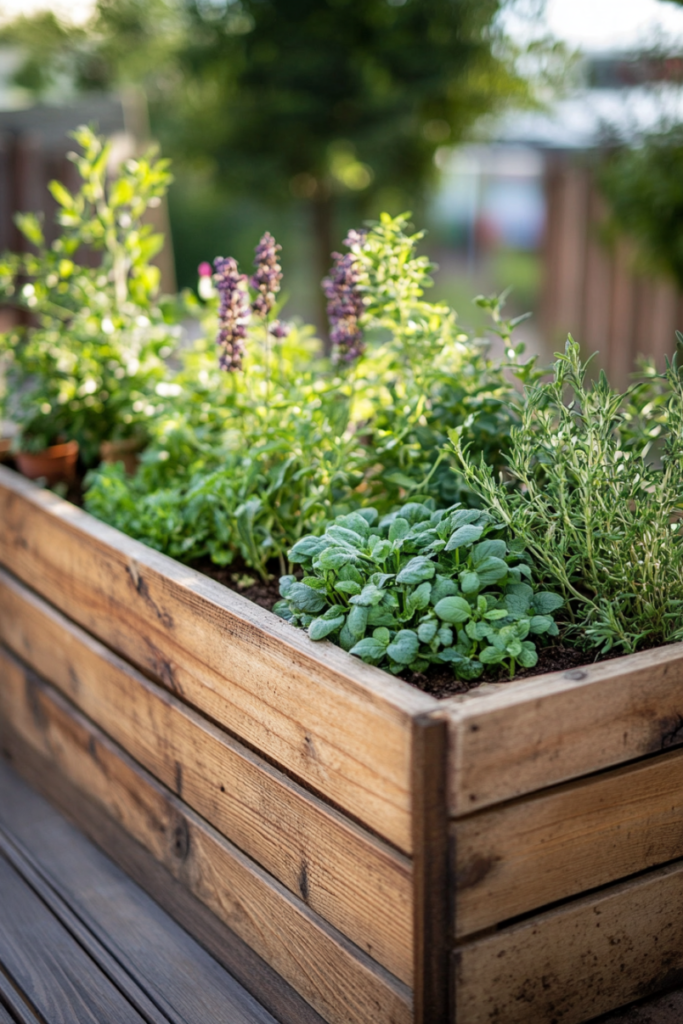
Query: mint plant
point(90, 367)
point(420, 587)
point(598, 498)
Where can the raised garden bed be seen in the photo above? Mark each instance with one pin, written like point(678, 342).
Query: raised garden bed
point(513, 854)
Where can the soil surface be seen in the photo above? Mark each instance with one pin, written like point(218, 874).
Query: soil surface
point(438, 681)
point(243, 581)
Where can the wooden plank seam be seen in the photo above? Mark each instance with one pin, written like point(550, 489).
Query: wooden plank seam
point(350, 988)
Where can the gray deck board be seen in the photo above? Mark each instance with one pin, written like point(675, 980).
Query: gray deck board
point(83, 942)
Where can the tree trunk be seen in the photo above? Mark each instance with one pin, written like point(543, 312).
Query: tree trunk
point(322, 236)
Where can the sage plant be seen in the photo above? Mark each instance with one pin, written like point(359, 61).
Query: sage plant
point(420, 587)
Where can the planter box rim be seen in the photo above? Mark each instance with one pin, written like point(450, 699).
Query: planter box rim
point(367, 678)
point(401, 694)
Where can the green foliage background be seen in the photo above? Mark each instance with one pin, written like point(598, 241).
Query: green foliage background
point(330, 110)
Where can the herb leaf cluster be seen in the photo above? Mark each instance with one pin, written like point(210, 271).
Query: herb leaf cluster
point(594, 492)
point(93, 367)
point(242, 465)
point(420, 587)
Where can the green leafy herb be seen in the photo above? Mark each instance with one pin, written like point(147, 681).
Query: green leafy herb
point(397, 592)
point(246, 463)
point(93, 367)
point(598, 502)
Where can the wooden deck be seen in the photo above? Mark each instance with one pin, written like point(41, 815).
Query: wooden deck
point(80, 943)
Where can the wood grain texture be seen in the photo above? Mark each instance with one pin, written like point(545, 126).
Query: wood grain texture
point(46, 963)
point(586, 958)
point(431, 870)
point(335, 977)
point(342, 872)
point(161, 970)
point(253, 973)
point(13, 1006)
point(560, 726)
point(663, 1009)
point(524, 855)
point(150, 1012)
point(338, 725)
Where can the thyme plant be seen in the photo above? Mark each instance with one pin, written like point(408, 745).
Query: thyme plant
point(597, 499)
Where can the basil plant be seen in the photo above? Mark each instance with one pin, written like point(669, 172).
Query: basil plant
point(420, 587)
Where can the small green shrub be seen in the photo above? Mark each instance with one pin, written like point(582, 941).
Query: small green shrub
point(593, 491)
point(90, 367)
point(420, 587)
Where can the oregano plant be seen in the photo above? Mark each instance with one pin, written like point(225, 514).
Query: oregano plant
point(420, 587)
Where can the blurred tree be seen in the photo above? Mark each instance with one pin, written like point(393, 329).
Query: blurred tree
point(319, 100)
point(644, 188)
point(311, 99)
point(48, 46)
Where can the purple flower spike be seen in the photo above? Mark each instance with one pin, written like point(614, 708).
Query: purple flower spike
point(278, 330)
point(233, 312)
point(266, 280)
point(345, 306)
point(355, 237)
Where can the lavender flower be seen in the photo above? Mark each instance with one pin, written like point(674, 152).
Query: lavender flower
point(345, 304)
point(268, 275)
point(233, 312)
point(278, 330)
point(355, 238)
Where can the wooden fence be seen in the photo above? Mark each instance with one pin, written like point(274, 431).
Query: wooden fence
point(594, 291)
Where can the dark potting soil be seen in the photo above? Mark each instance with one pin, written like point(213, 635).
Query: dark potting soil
point(243, 581)
point(438, 681)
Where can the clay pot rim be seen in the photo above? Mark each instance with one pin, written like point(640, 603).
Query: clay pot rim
point(53, 451)
point(127, 444)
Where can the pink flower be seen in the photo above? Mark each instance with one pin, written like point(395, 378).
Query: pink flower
point(204, 270)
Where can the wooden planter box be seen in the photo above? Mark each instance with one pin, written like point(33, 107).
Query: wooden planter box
point(378, 857)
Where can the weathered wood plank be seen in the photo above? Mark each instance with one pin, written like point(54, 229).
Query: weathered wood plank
point(46, 963)
point(571, 964)
point(253, 973)
point(563, 725)
point(4, 1015)
point(338, 725)
point(335, 977)
point(431, 870)
point(524, 855)
point(11, 1002)
point(161, 970)
point(150, 1012)
point(660, 1009)
point(342, 872)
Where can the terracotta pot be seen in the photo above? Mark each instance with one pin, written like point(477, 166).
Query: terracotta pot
point(5, 447)
point(122, 451)
point(55, 464)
